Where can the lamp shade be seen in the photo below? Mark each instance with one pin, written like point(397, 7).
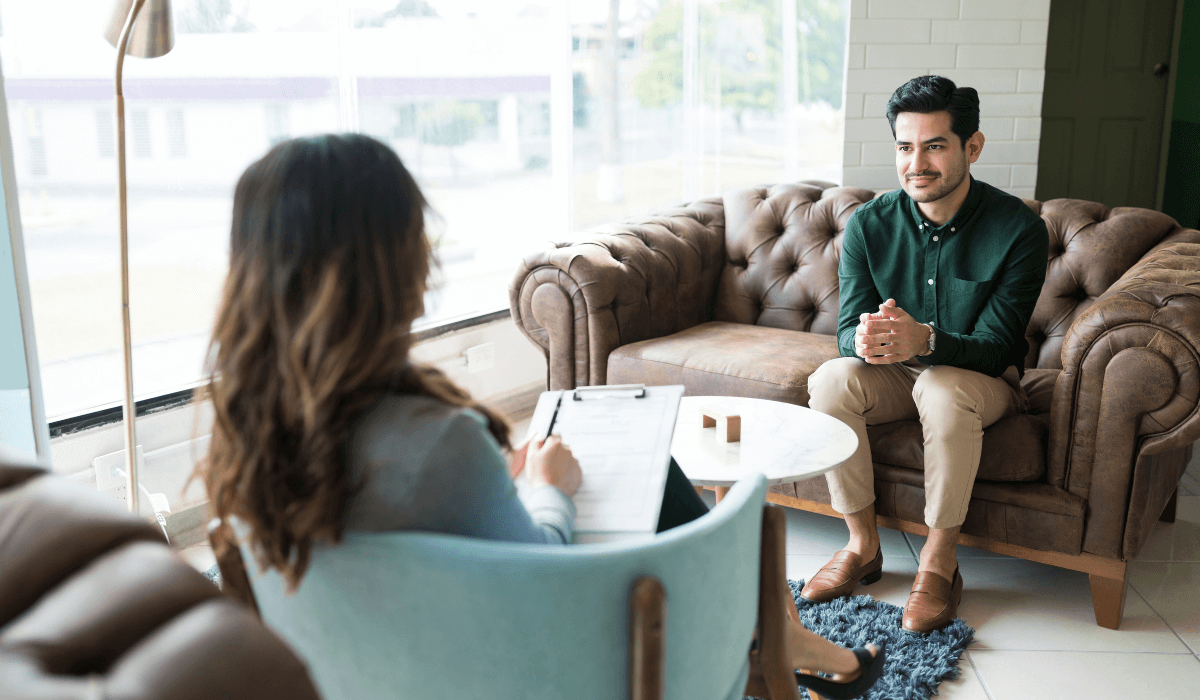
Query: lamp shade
point(153, 32)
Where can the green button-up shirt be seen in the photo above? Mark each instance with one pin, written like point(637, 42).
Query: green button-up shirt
point(975, 279)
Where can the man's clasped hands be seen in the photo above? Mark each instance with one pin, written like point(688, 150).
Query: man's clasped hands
point(890, 335)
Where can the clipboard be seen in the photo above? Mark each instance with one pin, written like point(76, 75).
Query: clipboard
point(621, 435)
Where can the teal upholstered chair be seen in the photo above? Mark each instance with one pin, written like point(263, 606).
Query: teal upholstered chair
point(420, 615)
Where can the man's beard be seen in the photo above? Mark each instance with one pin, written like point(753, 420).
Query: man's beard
point(938, 189)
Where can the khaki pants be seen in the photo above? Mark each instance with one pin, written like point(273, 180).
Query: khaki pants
point(954, 406)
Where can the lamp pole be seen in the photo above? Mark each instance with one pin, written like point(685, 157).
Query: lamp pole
point(155, 38)
point(131, 465)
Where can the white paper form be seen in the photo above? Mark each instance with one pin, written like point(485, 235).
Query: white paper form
point(623, 446)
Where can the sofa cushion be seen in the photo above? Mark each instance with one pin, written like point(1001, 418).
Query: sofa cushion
point(727, 359)
point(1037, 516)
point(1039, 387)
point(1014, 449)
point(737, 359)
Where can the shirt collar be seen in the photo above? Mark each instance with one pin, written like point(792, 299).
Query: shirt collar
point(969, 205)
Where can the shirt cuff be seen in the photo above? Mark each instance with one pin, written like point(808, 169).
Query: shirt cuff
point(941, 348)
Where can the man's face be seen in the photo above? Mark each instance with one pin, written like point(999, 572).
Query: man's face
point(930, 159)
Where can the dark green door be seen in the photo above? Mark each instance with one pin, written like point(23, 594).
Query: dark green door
point(1102, 109)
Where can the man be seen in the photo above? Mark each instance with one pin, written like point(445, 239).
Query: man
point(938, 281)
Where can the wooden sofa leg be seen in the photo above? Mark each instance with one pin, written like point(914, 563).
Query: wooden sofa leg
point(1168, 514)
point(1108, 598)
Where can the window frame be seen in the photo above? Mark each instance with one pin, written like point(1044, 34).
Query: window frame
point(112, 413)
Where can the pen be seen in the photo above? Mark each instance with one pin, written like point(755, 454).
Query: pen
point(554, 417)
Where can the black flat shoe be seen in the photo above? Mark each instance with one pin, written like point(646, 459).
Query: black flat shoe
point(870, 669)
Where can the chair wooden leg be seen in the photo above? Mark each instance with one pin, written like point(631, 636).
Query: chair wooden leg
point(769, 663)
point(1108, 598)
point(648, 642)
point(235, 581)
point(1168, 514)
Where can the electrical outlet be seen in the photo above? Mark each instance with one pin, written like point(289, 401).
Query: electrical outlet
point(110, 469)
point(481, 357)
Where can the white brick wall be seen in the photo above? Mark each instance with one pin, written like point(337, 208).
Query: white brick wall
point(997, 47)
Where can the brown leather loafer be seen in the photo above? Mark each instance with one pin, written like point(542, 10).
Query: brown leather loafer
point(933, 603)
point(840, 575)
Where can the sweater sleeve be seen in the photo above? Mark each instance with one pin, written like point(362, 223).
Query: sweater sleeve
point(465, 489)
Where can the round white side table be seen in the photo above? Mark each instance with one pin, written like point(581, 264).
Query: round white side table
point(784, 442)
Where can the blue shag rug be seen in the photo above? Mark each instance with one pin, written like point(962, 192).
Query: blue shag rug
point(916, 663)
point(214, 575)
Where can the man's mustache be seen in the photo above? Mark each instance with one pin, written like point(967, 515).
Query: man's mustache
point(923, 173)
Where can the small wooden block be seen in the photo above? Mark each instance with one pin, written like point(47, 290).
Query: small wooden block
point(729, 426)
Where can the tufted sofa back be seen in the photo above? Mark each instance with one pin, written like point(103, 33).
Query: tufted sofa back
point(783, 244)
point(94, 604)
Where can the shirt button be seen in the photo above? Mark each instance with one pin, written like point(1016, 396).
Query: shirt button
point(951, 229)
point(931, 281)
point(935, 238)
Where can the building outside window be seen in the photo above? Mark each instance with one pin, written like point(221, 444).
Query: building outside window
point(106, 138)
point(176, 133)
point(524, 121)
point(138, 129)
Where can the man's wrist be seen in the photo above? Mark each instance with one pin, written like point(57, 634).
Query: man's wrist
point(929, 341)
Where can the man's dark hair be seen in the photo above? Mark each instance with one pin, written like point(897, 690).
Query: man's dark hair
point(933, 93)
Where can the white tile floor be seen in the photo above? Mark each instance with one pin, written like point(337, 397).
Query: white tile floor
point(1036, 635)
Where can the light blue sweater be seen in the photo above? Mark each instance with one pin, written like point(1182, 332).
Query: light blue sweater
point(425, 465)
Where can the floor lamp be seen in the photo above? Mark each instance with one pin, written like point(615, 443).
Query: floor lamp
point(152, 37)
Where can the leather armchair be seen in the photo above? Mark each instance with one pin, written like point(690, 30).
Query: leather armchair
point(738, 296)
point(94, 604)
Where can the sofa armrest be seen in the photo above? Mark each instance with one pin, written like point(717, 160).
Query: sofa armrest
point(618, 284)
point(1129, 388)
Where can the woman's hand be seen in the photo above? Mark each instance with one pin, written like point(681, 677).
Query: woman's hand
point(516, 459)
point(550, 462)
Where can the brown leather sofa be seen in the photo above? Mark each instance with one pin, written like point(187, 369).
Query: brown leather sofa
point(738, 296)
point(94, 605)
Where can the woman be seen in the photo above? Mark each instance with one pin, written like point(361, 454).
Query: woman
point(322, 424)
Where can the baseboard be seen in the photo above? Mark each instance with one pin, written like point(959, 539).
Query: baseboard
point(517, 405)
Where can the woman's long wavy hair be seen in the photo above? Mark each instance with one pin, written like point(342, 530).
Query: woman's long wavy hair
point(329, 263)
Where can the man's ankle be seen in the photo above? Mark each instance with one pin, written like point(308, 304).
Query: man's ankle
point(943, 566)
point(865, 550)
point(864, 534)
point(939, 554)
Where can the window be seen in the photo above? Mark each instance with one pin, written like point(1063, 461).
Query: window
point(523, 120)
point(700, 98)
point(106, 140)
point(36, 142)
point(176, 136)
point(278, 127)
point(139, 133)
